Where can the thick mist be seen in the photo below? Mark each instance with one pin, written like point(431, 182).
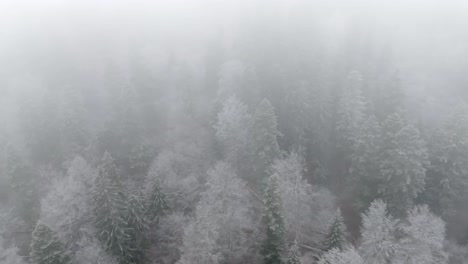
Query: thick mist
point(226, 132)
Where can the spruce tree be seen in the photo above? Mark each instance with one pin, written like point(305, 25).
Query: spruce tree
point(110, 211)
point(264, 135)
point(294, 254)
point(157, 204)
point(138, 228)
point(274, 222)
point(402, 164)
point(336, 234)
point(350, 112)
point(46, 248)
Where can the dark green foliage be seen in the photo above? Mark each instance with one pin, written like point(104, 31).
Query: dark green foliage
point(335, 237)
point(274, 222)
point(46, 248)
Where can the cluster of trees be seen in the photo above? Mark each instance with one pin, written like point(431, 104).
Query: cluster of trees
point(268, 149)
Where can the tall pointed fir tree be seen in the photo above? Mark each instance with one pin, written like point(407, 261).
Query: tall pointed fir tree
point(232, 131)
point(294, 256)
point(446, 182)
point(273, 219)
point(110, 211)
point(157, 204)
point(336, 237)
point(137, 227)
point(264, 142)
point(402, 164)
point(379, 243)
point(46, 248)
point(350, 112)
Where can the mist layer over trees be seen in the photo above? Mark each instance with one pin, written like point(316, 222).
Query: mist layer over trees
point(229, 132)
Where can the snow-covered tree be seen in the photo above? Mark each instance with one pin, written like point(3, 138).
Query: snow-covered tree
point(365, 163)
point(336, 236)
point(220, 227)
point(402, 164)
point(232, 128)
point(350, 111)
point(378, 234)
point(347, 256)
point(294, 255)
point(68, 206)
point(423, 238)
point(274, 222)
point(110, 211)
point(46, 248)
point(264, 148)
point(156, 204)
point(446, 180)
point(137, 229)
point(307, 209)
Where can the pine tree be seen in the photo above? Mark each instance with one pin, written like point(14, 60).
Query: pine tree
point(446, 182)
point(378, 234)
point(110, 211)
point(157, 204)
point(274, 222)
point(232, 128)
point(423, 238)
point(138, 227)
point(402, 164)
point(294, 254)
point(350, 112)
point(220, 229)
point(46, 248)
point(365, 163)
point(264, 135)
point(336, 234)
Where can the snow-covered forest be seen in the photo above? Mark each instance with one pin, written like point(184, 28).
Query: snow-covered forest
point(234, 132)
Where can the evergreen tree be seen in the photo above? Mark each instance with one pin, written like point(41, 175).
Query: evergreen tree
point(350, 112)
point(264, 135)
point(110, 211)
point(232, 128)
point(157, 204)
point(336, 237)
point(294, 254)
point(46, 248)
point(446, 182)
point(402, 164)
point(423, 238)
point(219, 232)
point(274, 222)
point(138, 227)
point(365, 163)
point(378, 232)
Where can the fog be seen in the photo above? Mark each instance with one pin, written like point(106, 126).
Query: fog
point(225, 132)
